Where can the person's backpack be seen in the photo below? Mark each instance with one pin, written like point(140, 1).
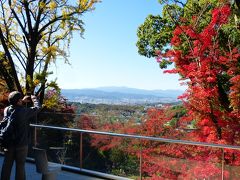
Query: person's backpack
point(7, 128)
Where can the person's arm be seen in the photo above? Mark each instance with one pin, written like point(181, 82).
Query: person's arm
point(5, 112)
point(34, 100)
point(36, 103)
point(32, 111)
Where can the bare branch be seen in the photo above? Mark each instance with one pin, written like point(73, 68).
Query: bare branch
point(29, 21)
point(18, 20)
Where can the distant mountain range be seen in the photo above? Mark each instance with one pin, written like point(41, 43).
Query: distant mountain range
point(121, 95)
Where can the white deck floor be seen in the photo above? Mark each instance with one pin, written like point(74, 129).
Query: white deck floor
point(62, 175)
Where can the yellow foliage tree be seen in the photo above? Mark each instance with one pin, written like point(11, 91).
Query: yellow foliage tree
point(33, 34)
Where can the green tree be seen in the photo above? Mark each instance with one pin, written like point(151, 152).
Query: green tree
point(156, 41)
point(34, 34)
point(155, 34)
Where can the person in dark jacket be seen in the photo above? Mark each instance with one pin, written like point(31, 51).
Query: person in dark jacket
point(17, 150)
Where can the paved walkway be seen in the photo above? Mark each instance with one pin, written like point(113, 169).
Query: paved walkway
point(62, 175)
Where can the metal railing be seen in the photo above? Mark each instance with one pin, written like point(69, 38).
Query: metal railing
point(139, 137)
point(223, 146)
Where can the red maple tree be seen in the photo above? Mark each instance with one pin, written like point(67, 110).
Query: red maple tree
point(212, 75)
point(210, 69)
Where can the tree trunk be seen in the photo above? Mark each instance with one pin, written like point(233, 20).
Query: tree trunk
point(30, 68)
point(223, 98)
point(10, 60)
point(42, 92)
point(214, 119)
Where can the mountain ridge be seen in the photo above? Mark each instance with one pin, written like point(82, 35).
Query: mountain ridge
point(120, 95)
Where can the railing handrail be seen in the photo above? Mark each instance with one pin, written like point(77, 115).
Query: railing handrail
point(140, 137)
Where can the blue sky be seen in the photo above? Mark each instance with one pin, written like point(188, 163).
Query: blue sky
point(107, 56)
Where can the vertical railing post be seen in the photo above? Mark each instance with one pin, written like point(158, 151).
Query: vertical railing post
point(222, 163)
point(80, 149)
point(140, 166)
point(35, 132)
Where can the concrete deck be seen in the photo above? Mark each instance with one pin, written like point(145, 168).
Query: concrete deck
point(62, 175)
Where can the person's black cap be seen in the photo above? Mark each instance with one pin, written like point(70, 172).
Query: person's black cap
point(14, 97)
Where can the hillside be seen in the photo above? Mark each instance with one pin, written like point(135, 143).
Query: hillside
point(121, 95)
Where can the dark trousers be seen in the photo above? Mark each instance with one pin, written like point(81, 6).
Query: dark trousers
point(17, 154)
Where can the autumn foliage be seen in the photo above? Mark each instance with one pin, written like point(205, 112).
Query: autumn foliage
point(212, 74)
point(208, 64)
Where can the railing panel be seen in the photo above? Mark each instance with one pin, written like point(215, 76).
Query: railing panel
point(176, 161)
point(112, 155)
point(62, 146)
point(102, 153)
point(141, 157)
point(231, 164)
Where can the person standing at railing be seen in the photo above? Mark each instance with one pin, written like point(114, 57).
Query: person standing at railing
point(17, 151)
